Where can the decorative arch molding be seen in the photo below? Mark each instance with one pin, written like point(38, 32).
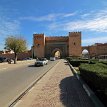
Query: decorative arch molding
point(55, 50)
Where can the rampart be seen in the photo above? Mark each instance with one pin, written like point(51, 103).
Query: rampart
point(56, 38)
point(96, 49)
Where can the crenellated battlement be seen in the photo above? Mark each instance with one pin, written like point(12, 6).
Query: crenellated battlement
point(41, 34)
point(57, 38)
point(74, 33)
point(38, 34)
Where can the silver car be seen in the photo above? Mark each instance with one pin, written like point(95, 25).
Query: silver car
point(41, 62)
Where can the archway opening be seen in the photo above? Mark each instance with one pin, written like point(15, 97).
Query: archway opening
point(85, 54)
point(57, 54)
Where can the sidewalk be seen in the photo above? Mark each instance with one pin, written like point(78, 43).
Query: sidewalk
point(58, 88)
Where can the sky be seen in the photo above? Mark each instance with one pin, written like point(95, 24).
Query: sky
point(53, 18)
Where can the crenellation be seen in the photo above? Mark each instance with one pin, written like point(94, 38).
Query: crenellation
point(75, 33)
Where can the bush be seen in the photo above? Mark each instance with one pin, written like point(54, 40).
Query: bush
point(69, 58)
point(77, 63)
point(95, 75)
point(93, 61)
point(104, 62)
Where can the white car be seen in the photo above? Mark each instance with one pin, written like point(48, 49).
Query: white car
point(41, 62)
point(52, 58)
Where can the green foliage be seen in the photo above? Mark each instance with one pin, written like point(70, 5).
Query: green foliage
point(16, 44)
point(72, 58)
point(95, 75)
point(93, 61)
point(104, 62)
point(77, 62)
point(69, 58)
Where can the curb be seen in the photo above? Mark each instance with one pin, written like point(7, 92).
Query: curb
point(15, 100)
point(89, 92)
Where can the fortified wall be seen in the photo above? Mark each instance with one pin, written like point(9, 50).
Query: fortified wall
point(46, 46)
point(56, 38)
point(97, 49)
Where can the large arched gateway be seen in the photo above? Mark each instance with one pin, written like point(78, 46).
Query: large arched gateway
point(57, 53)
point(54, 44)
point(47, 46)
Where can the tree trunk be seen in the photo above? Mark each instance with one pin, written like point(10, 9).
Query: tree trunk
point(15, 59)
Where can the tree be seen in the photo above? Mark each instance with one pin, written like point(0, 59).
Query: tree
point(17, 44)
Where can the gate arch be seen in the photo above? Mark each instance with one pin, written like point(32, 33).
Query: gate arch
point(57, 50)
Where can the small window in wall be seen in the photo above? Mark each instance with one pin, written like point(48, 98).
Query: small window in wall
point(74, 43)
point(38, 45)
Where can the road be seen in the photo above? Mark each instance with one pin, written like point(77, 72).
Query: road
point(16, 78)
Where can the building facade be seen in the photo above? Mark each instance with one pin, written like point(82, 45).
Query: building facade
point(47, 46)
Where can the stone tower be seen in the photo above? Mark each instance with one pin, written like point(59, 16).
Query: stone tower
point(75, 48)
point(39, 45)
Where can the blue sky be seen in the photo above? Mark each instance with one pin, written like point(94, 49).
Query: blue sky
point(54, 18)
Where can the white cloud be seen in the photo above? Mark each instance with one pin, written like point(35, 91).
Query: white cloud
point(7, 27)
point(98, 24)
point(49, 17)
point(95, 40)
point(42, 18)
point(69, 14)
point(85, 15)
point(93, 21)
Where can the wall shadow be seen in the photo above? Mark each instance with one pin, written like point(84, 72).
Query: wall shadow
point(67, 92)
point(34, 66)
point(72, 93)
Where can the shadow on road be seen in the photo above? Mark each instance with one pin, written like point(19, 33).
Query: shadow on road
point(34, 66)
point(66, 94)
point(31, 65)
point(72, 94)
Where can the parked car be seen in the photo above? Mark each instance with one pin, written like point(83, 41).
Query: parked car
point(28, 58)
point(41, 62)
point(9, 60)
point(3, 59)
point(52, 58)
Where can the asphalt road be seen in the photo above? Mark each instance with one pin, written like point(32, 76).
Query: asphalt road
point(16, 78)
